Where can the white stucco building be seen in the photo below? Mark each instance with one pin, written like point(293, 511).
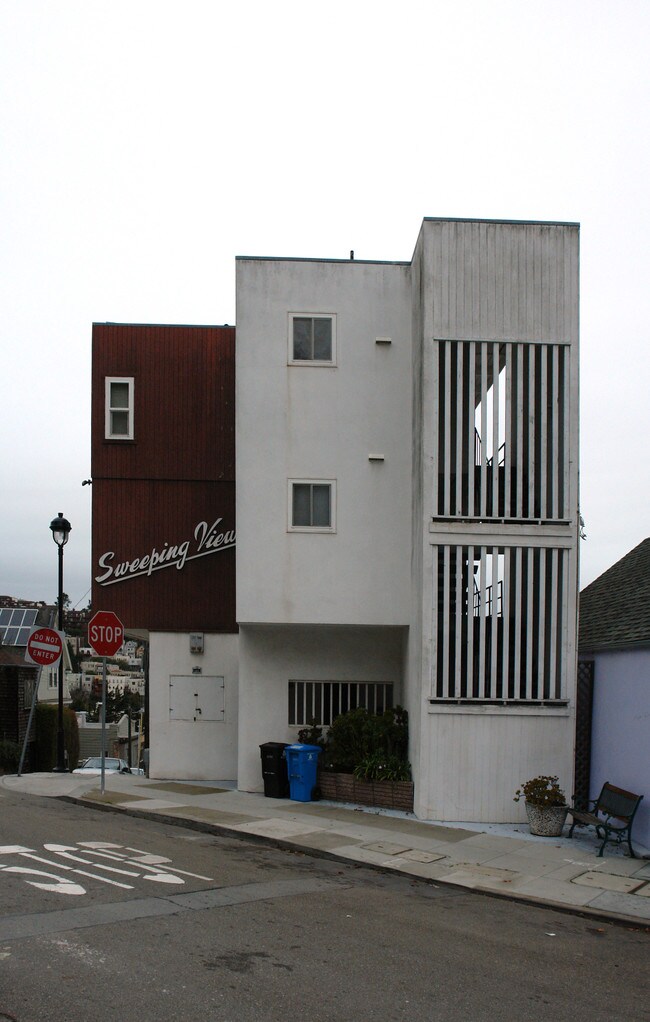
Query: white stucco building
point(407, 503)
point(396, 447)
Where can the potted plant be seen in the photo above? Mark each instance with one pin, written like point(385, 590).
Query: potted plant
point(546, 806)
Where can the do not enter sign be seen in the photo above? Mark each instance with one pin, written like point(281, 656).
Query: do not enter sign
point(105, 633)
point(44, 647)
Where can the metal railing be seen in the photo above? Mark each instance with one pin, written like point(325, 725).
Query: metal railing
point(323, 701)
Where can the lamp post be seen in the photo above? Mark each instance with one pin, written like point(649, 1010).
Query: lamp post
point(60, 527)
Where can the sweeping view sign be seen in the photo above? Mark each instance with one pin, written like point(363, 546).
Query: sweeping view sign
point(206, 539)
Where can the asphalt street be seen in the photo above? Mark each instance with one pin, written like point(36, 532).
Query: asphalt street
point(107, 916)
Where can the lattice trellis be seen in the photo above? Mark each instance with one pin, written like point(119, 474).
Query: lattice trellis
point(584, 704)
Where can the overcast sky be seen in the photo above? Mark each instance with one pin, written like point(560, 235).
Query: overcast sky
point(144, 144)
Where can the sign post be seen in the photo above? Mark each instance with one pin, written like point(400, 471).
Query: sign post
point(44, 649)
point(105, 637)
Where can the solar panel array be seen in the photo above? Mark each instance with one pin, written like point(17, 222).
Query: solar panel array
point(15, 625)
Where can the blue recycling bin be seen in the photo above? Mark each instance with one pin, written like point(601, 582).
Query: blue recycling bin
point(302, 766)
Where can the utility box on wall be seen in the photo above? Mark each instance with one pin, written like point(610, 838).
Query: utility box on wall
point(195, 697)
point(196, 642)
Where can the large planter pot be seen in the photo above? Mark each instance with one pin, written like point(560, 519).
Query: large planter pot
point(546, 821)
point(382, 794)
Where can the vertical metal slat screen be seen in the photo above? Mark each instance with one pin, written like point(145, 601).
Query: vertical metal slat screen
point(322, 701)
point(502, 420)
point(497, 614)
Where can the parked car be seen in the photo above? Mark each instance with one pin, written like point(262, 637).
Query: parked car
point(93, 766)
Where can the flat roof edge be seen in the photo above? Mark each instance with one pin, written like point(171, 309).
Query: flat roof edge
point(171, 326)
point(315, 259)
point(478, 220)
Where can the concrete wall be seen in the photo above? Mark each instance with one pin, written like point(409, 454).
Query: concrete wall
point(271, 656)
point(188, 749)
point(479, 756)
point(323, 422)
point(468, 281)
point(620, 748)
point(489, 281)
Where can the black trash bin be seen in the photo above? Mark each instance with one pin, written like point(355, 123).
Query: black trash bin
point(274, 770)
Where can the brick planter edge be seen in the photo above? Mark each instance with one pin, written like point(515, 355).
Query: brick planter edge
point(382, 794)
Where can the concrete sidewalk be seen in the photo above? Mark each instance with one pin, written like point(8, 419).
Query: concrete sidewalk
point(497, 859)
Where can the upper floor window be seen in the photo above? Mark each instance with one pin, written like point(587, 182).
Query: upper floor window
point(312, 505)
point(312, 339)
point(119, 408)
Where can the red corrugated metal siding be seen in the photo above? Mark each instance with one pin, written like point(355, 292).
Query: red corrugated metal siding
point(177, 472)
point(184, 401)
point(131, 519)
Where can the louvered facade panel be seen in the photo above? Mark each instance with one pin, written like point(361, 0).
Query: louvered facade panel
point(497, 613)
point(500, 421)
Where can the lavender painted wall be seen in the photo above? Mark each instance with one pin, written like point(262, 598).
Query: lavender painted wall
point(620, 750)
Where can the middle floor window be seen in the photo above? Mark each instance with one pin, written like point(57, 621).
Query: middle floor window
point(312, 339)
point(312, 505)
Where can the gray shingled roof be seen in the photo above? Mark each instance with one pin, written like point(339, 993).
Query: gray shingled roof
point(615, 608)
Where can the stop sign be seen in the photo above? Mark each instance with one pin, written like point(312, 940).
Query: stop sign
point(44, 647)
point(105, 633)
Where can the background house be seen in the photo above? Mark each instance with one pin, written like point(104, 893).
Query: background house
point(615, 635)
point(17, 680)
point(16, 622)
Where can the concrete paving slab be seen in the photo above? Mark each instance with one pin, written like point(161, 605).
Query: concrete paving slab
point(556, 891)
point(643, 892)
point(326, 841)
point(184, 788)
point(473, 880)
point(415, 855)
point(275, 828)
point(626, 905)
point(364, 855)
point(406, 824)
point(523, 864)
point(154, 805)
point(569, 871)
point(607, 882)
point(619, 867)
point(114, 797)
point(215, 816)
point(423, 870)
point(491, 843)
point(387, 848)
point(543, 853)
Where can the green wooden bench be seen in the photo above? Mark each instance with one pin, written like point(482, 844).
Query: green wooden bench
point(612, 815)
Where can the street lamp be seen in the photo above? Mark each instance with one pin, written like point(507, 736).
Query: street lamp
point(60, 527)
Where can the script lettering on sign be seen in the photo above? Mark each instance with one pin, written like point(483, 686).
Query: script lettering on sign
point(206, 539)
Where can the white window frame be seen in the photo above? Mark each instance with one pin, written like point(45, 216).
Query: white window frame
point(311, 528)
point(310, 361)
point(108, 434)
